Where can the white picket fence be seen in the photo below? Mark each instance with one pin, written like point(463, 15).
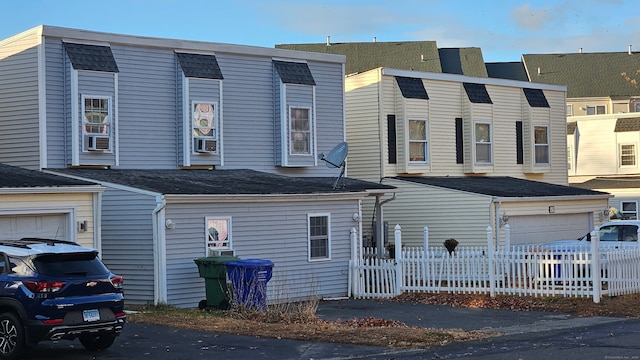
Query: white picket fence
point(512, 270)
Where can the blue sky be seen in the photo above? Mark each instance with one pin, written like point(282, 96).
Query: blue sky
point(503, 29)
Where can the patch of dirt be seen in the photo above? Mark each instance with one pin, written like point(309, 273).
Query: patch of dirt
point(375, 331)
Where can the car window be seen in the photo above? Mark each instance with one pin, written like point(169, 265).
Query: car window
point(629, 233)
point(619, 233)
point(19, 266)
point(75, 264)
point(609, 233)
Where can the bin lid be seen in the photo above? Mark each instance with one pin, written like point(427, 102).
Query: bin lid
point(249, 263)
point(221, 259)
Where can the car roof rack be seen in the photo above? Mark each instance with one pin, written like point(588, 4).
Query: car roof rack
point(25, 242)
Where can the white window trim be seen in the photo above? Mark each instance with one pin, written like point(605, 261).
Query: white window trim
point(289, 129)
point(110, 122)
point(426, 141)
point(216, 124)
point(475, 143)
point(595, 109)
point(569, 110)
point(309, 216)
point(547, 145)
point(628, 202)
point(229, 234)
point(635, 155)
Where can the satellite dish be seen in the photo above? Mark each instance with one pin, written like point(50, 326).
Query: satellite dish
point(335, 159)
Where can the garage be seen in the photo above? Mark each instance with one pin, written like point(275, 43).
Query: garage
point(535, 229)
point(51, 226)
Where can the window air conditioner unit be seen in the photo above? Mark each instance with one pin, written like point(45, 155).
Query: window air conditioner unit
point(97, 143)
point(222, 252)
point(205, 145)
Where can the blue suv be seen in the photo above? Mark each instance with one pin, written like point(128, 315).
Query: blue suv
point(53, 289)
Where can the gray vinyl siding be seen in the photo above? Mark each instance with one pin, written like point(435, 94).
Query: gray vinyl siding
point(209, 91)
point(275, 231)
point(329, 116)
point(147, 107)
point(19, 120)
point(127, 242)
point(58, 90)
point(248, 111)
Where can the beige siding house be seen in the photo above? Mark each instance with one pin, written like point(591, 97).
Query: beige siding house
point(465, 151)
point(36, 204)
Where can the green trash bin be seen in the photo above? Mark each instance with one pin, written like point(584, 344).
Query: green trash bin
point(213, 270)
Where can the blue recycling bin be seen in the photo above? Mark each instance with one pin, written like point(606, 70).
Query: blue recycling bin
point(248, 278)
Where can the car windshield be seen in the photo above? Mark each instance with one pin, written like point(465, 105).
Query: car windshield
point(71, 264)
point(618, 233)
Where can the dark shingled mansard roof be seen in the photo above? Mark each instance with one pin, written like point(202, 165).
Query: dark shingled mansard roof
point(513, 70)
point(17, 177)
point(91, 57)
point(222, 182)
point(502, 186)
point(199, 66)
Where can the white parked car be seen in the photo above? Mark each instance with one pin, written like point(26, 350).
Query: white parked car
point(613, 234)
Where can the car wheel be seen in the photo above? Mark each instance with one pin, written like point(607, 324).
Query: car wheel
point(11, 336)
point(97, 341)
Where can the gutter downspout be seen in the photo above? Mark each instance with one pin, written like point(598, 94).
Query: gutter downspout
point(159, 252)
point(380, 224)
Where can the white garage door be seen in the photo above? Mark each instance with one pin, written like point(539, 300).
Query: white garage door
point(50, 226)
point(535, 229)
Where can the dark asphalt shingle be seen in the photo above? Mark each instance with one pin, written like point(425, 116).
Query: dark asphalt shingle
point(294, 72)
point(412, 88)
point(17, 177)
point(535, 97)
point(627, 124)
point(199, 66)
point(91, 57)
point(503, 186)
point(477, 93)
point(221, 182)
point(626, 182)
point(586, 74)
point(513, 70)
point(363, 56)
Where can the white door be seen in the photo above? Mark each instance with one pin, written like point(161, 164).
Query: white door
point(49, 226)
point(536, 229)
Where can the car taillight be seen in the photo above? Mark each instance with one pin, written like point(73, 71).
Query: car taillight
point(117, 281)
point(44, 286)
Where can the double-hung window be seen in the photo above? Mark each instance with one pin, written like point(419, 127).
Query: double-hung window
point(300, 130)
point(627, 155)
point(483, 142)
point(541, 144)
point(418, 141)
point(96, 122)
point(569, 110)
point(319, 237)
point(218, 233)
point(596, 109)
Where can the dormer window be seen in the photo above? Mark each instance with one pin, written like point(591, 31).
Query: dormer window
point(205, 128)
point(96, 123)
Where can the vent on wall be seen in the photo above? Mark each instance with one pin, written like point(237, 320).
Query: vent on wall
point(97, 143)
point(204, 145)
